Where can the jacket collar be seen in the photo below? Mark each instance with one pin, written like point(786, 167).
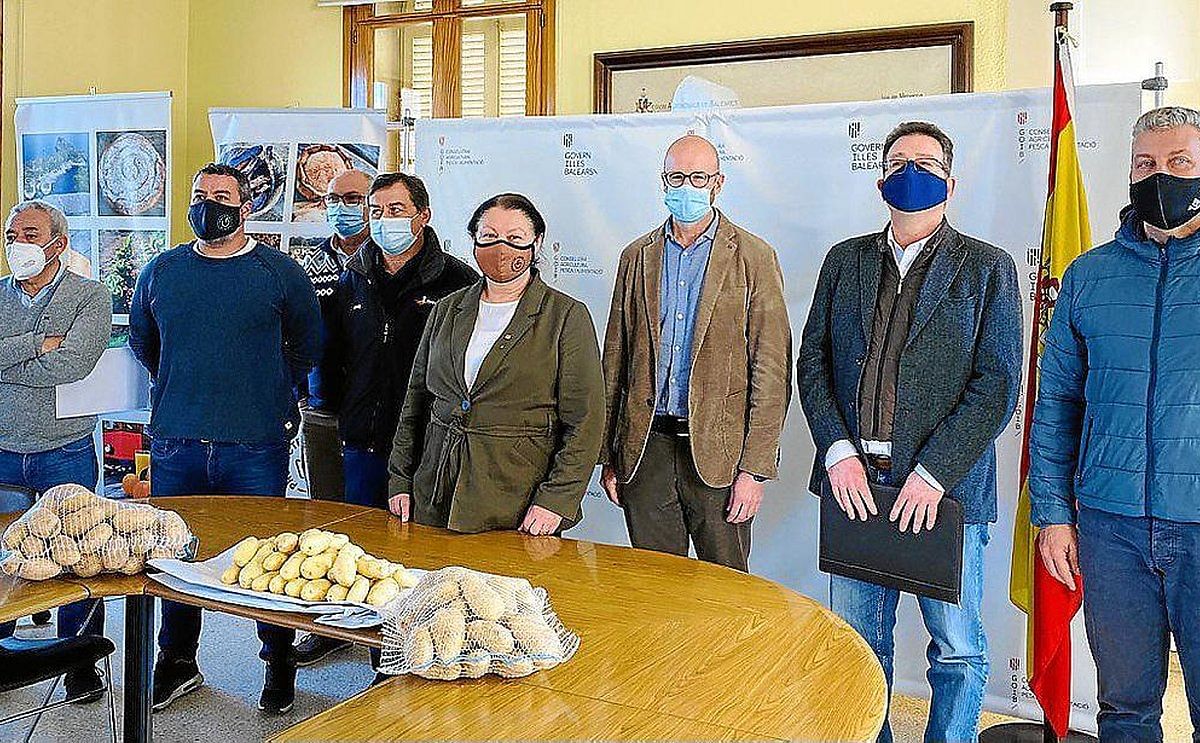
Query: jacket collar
point(721, 255)
point(431, 261)
point(949, 252)
point(1132, 235)
point(465, 311)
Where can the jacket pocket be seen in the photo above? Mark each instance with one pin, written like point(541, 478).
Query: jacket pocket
point(1085, 447)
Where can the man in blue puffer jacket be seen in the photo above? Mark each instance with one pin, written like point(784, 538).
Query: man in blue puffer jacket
point(1115, 442)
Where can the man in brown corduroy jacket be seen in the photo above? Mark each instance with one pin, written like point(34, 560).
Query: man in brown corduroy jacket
point(697, 366)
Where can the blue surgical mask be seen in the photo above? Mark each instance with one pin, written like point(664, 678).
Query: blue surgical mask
point(687, 203)
point(914, 189)
point(393, 235)
point(347, 221)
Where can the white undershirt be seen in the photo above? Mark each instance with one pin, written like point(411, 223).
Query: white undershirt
point(250, 245)
point(490, 324)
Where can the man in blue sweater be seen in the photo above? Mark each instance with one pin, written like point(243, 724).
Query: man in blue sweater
point(1114, 474)
point(225, 326)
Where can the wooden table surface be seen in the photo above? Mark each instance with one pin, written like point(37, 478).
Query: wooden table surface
point(671, 648)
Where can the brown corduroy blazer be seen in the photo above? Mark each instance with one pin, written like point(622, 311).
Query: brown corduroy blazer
point(740, 382)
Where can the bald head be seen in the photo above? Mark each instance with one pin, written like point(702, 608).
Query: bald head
point(691, 153)
point(349, 181)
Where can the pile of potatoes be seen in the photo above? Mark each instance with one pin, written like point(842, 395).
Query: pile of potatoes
point(458, 623)
point(72, 530)
point(316, 566)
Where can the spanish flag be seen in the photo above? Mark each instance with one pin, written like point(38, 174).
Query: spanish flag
point(1047, 603)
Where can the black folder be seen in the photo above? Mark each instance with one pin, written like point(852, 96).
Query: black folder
point(926, 564)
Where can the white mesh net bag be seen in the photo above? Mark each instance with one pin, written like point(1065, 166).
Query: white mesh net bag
point(71, 530)
point(459, 623)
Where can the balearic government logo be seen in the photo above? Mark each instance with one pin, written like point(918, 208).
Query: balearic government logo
point(577, 161)
point(865, 155)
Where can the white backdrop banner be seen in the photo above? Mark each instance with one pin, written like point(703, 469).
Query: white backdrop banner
point(290, 155)
point(105, 161)
point(803, 178)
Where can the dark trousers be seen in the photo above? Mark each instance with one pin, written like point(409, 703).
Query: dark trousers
point(666, 504)
point(1141, 584)
point(322, 454)
point(71, 463)
point(366, 477)
point(193, 467)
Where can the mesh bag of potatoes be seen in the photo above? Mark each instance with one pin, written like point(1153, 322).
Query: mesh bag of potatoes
point(459, 623)
point(73, 531)
point(318, 566)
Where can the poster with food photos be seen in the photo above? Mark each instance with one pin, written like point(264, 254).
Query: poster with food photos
point(105, 161)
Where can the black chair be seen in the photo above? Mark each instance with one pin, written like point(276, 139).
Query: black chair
point(27, 662)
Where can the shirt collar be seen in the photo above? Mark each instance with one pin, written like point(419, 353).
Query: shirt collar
point(251, 243)
point(30, 301)
point(916, 247)
point(708, 235)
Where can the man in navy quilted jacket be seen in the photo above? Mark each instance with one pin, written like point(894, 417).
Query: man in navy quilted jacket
point(1115, 470)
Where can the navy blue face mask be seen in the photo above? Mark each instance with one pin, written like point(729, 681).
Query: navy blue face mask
point(914, 189)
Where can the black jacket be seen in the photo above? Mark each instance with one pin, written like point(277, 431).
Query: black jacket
point(374, 328)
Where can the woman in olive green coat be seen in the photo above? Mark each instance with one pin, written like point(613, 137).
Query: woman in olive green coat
point(504, 414)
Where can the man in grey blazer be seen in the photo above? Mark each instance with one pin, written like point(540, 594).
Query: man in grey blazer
point(922, 378)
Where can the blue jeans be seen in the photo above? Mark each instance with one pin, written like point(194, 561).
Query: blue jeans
point(958, 649)
point(194, 467)
point(1141, 584)
point(71, 463)
point(366, 476)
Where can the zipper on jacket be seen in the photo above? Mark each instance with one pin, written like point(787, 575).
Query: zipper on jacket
point(1158, 300)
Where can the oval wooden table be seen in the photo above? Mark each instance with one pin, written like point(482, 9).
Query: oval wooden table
point(671, 648)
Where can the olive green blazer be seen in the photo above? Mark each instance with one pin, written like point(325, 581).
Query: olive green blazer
point(529, 430)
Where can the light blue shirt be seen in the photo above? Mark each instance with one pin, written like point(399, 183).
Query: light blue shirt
point(14, 287)
point(679, 300)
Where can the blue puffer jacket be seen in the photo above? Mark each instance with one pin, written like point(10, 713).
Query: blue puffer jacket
point(1117, 420)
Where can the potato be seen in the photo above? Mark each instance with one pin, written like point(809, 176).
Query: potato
point(405, 578)
point(515, 668)
point(265, 550)
point(64, 550)
point(172, 529)
point(115, 553)
point(383, 592)
point(89, 564)
point(295, 586)
point(482, 600)
point(12, 563)
point(448, 629)
point(43, 523)
point(141, 542)
point(277, 584)
point(230, 576)
point(77, 523)
point(358, 592)
point(78, 502)
point(344, 569)
point(291, 567)
point(315, 590)
point(287, 542)
point(245, 550)
point(164, 552)
point(445, 590)
point(316, 567)
point(337, 592)
point(134, 565)
point(314, 542)
point(96, 538)
point(370, 567)
point(274, 561)
point(475, 667)
point(13, 536)
point(249, 573)
point(337, 541)
point(419, 651)
point(32, 547)
point(534, 636)
point(354, 550)
point(263, 581)
point(490, 636)
point(439, 672)
point(134, 518)
point(39, 568)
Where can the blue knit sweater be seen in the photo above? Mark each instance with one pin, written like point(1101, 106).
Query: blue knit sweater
point(224, 339)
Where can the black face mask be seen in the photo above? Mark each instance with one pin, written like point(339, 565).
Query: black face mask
point(1166, 201)
point(212, 220)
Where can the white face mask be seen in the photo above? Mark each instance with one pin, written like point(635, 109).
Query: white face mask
point(25, 260)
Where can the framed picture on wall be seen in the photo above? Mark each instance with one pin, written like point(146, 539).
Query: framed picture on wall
point(820, 68)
